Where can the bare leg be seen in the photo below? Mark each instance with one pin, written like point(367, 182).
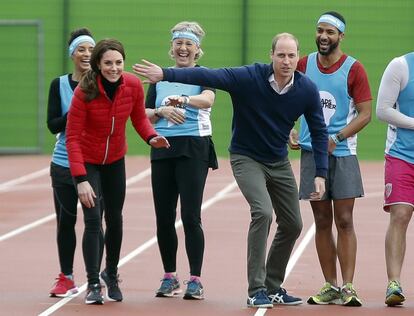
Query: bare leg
point(347, 242)
point(395, 239)
point(324, 241)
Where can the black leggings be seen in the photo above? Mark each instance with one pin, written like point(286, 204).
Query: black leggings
point(109, 182)
point(65, 199)
point(184, 177)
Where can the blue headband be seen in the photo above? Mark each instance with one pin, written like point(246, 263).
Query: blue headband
point(186, 34)
point(330, 19)
point(80, 39)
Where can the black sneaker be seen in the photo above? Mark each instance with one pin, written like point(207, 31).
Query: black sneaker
point(112, 290)
point(94, 294)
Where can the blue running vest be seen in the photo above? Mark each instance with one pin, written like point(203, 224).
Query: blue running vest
point(197, 122)
point(60, 154)
point(338, 107)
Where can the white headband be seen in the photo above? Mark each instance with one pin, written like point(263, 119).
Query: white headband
point(80, 39)
point(332, 20)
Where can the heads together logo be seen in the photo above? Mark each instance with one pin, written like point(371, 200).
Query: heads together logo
point(328, 104)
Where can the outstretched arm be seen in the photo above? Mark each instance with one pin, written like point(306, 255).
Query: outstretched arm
point(151, 71)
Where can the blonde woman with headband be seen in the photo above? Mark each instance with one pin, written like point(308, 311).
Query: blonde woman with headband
point(81, 44)
point(181, 113)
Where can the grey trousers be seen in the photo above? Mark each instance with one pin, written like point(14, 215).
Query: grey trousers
point(268, 188)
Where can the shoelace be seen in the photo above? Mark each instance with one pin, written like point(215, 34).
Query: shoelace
point(394, 285)
point(349, 290)
point(114, 281)
point(192, 284)
point(282, 291)
point(169, 282)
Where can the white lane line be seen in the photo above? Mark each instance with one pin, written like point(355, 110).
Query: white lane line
point(150, 242)
point(50, 217)
point(5, 186)
point(27, 227)
point(260, 312)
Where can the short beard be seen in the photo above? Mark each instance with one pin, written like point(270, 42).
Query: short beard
point(331, 48)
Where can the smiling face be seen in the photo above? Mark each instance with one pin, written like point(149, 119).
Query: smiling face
point(328, 38)
point(111, 65)
point(81, 56)
point(184, 52)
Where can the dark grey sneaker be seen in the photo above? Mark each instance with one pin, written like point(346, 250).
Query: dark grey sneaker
point(194, 290)
point(94, 294)
point(112, 290)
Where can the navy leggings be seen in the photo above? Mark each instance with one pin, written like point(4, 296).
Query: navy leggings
point(185, 178)
point(109, 182)
point(65, 199)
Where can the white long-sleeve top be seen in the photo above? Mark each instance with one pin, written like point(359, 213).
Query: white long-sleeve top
point(393, 81)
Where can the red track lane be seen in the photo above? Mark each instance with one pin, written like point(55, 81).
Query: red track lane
point(29, 260)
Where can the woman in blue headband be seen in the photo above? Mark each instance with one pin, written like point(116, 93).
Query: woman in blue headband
point(65, 197)
point(181, 113)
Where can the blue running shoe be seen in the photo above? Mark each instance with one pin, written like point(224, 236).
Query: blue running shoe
point(259, 299)
point(170, 286)
point(282, 298)
point(194, 290)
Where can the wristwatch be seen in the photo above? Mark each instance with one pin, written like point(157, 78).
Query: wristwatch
point(157, 113)
point(340, 137)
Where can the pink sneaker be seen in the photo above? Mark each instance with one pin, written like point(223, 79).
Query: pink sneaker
point(63, 287)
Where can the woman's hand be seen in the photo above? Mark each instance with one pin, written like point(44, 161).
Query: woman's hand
point(86, 194)
point(159, 142)
point(172, 114)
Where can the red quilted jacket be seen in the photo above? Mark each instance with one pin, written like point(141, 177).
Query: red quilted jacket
point(95, 130)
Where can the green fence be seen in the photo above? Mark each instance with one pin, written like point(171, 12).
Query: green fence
point(238, 31)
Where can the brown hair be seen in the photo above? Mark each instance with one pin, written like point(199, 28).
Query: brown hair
point(88, 82)
point(283, 35)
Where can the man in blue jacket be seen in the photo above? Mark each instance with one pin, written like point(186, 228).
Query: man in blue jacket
point(267, 100)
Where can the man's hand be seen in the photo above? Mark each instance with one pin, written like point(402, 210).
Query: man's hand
point(319, 189)
point(159, 142)
point(86, 194)
point(293, 140)
point(151, 71)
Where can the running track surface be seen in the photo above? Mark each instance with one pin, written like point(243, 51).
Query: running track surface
point(29, 260)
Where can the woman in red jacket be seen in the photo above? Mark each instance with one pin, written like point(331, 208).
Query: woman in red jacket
point(96, 144)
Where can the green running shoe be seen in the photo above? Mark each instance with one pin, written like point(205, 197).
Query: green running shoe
point(349, 296)
point(329, 294)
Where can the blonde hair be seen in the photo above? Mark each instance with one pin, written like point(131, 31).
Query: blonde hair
point(192, 27)
point(283, 35)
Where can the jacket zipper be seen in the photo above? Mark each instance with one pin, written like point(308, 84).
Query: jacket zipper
point(107, 140)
